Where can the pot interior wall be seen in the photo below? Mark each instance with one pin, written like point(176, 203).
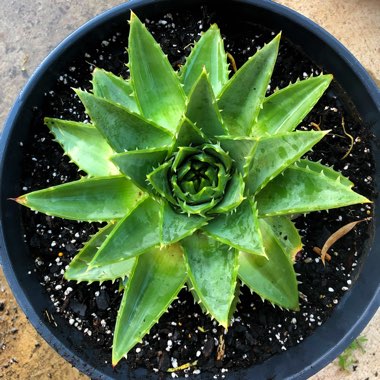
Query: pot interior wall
point(26, 286)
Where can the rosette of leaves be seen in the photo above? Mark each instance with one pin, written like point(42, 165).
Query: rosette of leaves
point(197, 174)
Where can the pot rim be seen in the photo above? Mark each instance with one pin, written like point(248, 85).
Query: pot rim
point(367, 309)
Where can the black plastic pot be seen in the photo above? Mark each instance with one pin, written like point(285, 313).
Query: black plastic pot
point(357, 306)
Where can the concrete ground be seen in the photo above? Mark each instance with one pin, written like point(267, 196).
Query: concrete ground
point(28, 31)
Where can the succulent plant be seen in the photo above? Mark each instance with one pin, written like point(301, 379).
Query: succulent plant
point(198, 175)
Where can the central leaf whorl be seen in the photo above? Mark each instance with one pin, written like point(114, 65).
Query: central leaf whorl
point(198, 177)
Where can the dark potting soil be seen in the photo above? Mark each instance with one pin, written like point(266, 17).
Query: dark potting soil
point(185, 335)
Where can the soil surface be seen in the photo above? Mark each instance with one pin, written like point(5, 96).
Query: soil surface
point(13, 324)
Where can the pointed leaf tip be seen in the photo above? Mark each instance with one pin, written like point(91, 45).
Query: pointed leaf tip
point(123, 129)
point(89, 199)
point(212, 270)
point(242, 96)
point(208, 52)
point(272, 278)
point(202, 109)
point(275, 153)
point(161, 97)
point(140, 307)
point(79, 270)
point(114, 88)
point(21, 200)
point(322, 189)
point(286, 108)
point(85, 146)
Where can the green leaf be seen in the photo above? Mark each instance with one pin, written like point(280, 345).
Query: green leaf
point(199, 209)
point(241, 149)
point(243, 95)
point(212, 269)
point(79, 270)
point(286, 108)
point(273, 278)
point(327, 171)
point(123, 129)
point(137, 164)
point(159, 179)
point(156, 279)
point(132, 236)
point(188, 135)
point(176, 226)
point(239, 229)
point(286, 234)
point(182, 156)
point(93, 199)
point(207, 53)
point(113, 88)
point(233, 196)
point(202, 108)
point(210, 187)
point(158, 89)
point(302, 189)
point(217, 152)
point(84, 145)
point(275, 153)
point(196, 298)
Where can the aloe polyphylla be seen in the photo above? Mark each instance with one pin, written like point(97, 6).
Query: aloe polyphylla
point(198, 175)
